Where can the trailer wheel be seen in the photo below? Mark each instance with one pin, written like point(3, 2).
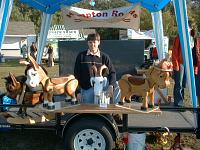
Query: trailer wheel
point(88, 134)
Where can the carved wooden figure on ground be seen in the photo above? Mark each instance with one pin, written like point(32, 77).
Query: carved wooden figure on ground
point(156, 76)
point(51, 86)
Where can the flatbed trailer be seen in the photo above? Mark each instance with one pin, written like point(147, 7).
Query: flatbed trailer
point(68, 121)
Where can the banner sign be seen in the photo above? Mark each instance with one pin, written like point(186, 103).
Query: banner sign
point(123, 17)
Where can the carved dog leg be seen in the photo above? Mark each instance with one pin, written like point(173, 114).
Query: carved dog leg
point(51, 104)
point(145, 102)
point(71, 87)
point(45, 103)
point(121, 102)
point(129, 97)
point(124, 90)
point(67, 98)
point(21, 100)
point(74, 100)
point(151, 96)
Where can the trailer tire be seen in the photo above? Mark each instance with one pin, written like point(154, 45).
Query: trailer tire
point(89, 133)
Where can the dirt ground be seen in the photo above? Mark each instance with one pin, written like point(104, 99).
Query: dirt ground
point(46, 140)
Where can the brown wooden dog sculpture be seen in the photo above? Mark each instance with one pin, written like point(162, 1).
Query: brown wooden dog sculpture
point(51, 86)
point(156, 76)
point(14, 85)
point(14, 90)
point(17, 89)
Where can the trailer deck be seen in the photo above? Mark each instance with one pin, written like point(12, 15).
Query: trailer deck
point(135, 120)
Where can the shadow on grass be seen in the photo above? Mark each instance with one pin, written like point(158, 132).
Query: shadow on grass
point(10, 63)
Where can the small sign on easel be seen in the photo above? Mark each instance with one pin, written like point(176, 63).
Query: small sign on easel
point(104, 100)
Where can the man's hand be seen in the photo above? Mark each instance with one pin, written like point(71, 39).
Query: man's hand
point(109, 92)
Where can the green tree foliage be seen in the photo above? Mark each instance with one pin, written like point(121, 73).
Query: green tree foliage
point(22, 12)
point(145, 20)
point(102, 4)
point(195, 13)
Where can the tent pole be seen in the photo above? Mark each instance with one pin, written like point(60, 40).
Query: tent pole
point(158, 32)
point(183, 29)
point(46, 22)
point(5, 11)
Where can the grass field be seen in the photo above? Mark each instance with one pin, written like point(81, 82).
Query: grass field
point(47, 140)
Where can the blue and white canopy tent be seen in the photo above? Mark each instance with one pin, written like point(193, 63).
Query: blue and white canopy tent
point(49, 7)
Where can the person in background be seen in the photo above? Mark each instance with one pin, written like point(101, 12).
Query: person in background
point(50, 55)
point(178, 73)
point(179, 69)
point(24, 51)
point(153, 52)
point(195, 46)
point(87, 58)
point(33, 50)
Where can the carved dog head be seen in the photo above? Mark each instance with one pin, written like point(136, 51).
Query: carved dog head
point(34, 72)
point(98, 81)
point(14, 84)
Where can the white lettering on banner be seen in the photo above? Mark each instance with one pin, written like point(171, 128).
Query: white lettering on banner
point(62, 33)
point(123, 17)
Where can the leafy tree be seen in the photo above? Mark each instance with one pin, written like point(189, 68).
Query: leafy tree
point(145, 20)
point(195, 13)
point(102, 4)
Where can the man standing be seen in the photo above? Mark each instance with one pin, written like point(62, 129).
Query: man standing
point(24, 51)
point(84, 61)
point(50, 55)
point(33, 50)
point(153, 52)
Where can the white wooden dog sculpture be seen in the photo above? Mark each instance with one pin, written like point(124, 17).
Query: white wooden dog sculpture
point(99, 83)
point(58, 85)
point(156, 76)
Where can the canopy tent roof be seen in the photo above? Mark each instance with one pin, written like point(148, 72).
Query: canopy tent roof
point(51, 6)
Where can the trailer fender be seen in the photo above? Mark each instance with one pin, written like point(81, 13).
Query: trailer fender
point(108, 119)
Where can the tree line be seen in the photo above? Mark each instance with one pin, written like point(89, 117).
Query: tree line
point(22, 12)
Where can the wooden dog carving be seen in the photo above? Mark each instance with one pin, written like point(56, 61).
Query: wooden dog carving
point(59, 85)
point(18, 91)
point(98, 81)
point(14, 89)
point(156, 76)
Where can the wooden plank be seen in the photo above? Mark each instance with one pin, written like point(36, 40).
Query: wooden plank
point(13, 114)
point(128, 108)
point(29, 120)
point(31, 114)
point(38, 113)
point(110, 109)
point(26, 120)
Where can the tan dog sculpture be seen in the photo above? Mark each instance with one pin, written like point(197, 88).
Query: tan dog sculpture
point(51, 86)
point(156, 76)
